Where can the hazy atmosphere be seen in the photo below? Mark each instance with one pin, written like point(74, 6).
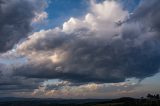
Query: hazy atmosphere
point(79, 48)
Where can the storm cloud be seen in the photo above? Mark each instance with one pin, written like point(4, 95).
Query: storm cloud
point(107, 45)
point(15, 20)
point(96, 49)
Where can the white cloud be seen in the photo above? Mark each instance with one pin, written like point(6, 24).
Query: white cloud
point(40, 17)
point(100, 21)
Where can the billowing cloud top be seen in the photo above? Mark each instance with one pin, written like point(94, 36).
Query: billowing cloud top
point(107, 45)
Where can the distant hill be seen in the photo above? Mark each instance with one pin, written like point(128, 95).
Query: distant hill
point(125, 101)
point(50, 100)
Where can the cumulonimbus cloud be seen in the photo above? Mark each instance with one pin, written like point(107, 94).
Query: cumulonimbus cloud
point(97, 48)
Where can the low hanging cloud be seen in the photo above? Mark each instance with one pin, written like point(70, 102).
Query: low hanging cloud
point(16, 19)
point(13, 85)
point(64, 89)
point(108, 45)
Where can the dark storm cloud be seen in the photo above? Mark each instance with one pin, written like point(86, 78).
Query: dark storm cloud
point(10, 83)
point(16, 17)
point(134, 52)
point(148, 13)
point(113, 62)
point(15, 20)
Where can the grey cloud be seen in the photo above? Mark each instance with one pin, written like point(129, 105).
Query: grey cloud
point(133, 52)
point(148, 13)
point(10, 84)
point(15, 23)
point(17, 83)
point(95, 61)
point(15, 20)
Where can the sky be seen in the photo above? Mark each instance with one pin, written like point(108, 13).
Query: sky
point(78, 49)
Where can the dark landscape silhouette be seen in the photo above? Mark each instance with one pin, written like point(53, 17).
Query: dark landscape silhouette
point(149, 100)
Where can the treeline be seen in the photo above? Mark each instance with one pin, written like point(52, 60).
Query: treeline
point(150, 96)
